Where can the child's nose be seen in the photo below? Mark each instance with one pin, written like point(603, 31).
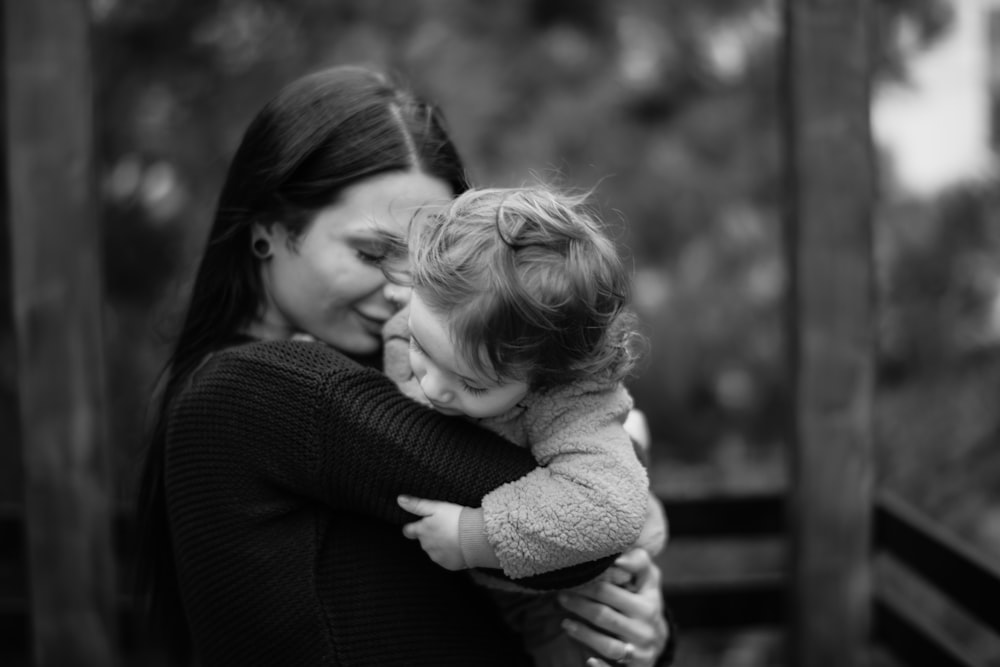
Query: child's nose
point(435, 388)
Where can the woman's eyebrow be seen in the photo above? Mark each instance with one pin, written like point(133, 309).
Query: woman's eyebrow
point(374, 243)
point(366, 235)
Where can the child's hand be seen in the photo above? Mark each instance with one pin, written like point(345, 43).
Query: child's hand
point(437, 531)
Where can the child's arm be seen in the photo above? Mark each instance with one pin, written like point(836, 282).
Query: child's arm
point(457, 538)
point(590, 497)
point(452, 535)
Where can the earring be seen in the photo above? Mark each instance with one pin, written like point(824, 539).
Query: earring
point(261, 248)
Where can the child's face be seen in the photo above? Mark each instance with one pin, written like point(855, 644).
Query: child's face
point(446, 380)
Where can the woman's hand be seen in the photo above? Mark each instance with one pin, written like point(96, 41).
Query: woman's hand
point(656, 530)
point(629, 625)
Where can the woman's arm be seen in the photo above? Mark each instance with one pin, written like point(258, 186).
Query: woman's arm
point(357, 443)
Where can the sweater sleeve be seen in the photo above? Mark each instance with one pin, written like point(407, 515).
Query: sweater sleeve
point(344, 435)
point(588, 498)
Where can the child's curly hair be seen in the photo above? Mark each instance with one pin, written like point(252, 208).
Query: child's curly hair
point(531, 285)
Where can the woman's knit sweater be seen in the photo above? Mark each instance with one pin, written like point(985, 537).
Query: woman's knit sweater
point(283, 465)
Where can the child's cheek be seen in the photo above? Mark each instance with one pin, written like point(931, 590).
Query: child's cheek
point(417, 364)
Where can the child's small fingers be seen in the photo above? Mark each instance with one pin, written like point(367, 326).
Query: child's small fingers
point(417, 506)
point(411, 530)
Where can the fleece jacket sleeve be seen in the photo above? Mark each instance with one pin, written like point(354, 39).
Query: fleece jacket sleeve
point(588, 498)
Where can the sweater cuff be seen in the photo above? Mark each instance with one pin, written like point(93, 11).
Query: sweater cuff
point(476, 549)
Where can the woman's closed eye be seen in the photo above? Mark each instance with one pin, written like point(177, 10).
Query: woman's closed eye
point(368, 257)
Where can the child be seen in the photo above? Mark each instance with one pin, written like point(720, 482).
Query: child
point(517, 319)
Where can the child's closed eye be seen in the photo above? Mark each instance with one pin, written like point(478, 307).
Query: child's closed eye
point(475, 391)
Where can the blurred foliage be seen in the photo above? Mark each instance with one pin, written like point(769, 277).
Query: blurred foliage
point(668, 108)
point(939, 375)
point(671, 110)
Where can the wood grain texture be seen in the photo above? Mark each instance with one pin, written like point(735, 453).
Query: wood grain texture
point(826, 66)
point(56, 295)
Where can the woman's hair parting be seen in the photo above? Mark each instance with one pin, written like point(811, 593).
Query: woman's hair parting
point(532, 286)
point(319, 135)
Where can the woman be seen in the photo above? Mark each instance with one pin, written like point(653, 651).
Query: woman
point(269, 495)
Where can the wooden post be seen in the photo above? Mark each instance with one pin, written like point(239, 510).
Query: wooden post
point(993, 74)
point(55, 242)
point(11, 483)
point(830, 185)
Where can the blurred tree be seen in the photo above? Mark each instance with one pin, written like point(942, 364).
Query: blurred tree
point(668, 108)
point(941, 356)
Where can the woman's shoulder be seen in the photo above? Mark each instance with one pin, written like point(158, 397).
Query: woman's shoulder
point(285, 362)
point(307, 356)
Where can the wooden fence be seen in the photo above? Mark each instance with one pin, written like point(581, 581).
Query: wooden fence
point(968, 580)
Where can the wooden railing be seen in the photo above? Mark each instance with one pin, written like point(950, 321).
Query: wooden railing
point(966, 579)
point(719, 601)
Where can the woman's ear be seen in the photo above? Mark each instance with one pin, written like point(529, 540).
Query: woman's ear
point(262, 240)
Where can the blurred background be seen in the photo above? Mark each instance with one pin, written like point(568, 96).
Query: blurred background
point(669, 108)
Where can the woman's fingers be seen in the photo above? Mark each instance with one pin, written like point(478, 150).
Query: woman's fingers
point(640, 565)
point(619, 577)
point(603, 594)
point(615, 611)
point(639, 604)
point(612, 616)
point(609, 648)
point(656, 529)
point(636, 561)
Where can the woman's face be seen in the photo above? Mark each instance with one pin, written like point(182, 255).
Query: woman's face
point(328, 282)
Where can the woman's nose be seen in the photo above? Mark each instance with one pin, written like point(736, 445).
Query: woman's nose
point(396, 294)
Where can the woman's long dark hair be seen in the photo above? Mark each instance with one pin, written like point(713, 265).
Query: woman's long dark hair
point(319, 135)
